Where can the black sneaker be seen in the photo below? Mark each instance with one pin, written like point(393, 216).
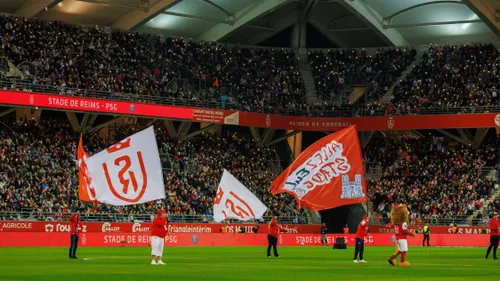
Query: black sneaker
point(495, 258)
point(75, 257)
point(390, 261)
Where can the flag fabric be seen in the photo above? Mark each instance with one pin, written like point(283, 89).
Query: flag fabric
point(460, 158)
point(128, 172)
point(235, 201)
point(328, 174)
point(86, 191)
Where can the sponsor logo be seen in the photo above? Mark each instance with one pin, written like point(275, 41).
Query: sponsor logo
point(57, 228)
point(232, 119)
point(132, 108)
point(130, 181)
point(289, 230)
point(497, 120)
point(17, 225)
point(106, 227)
point(136, 227)
point(32, 99)
point(390, 123)
point(189, 229)
point(194, 239)
point(268, 120)
point(352, 190)
point(49, 228)
point(84, 239)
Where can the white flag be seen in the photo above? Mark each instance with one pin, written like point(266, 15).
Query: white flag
point(128, 172)
point(235, 201)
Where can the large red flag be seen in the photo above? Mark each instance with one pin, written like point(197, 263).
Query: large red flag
point(327, 174)
point(87, 192)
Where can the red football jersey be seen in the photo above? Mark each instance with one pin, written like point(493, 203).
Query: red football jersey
point(400, 231)
point(159, 227)
point(494, 224)
point(362, 229)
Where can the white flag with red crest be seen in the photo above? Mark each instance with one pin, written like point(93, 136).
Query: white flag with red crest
point(128, 172)
point(235, 201)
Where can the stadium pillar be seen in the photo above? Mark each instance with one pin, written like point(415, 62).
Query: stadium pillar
point(7, 111)
point(25, 113)
point(295, 143)
point(479, 137)
point(460, 140)
point(212, 130)
point(299, 35)
point(203, 129)
point(31, 8)
point(255, 134)
point(73, 121)
point(364, 138)
point(268, 136)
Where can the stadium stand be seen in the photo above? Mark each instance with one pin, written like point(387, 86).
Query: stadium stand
point(64, 55)
point(39, 170)
point(448, 77)
point(435, 177)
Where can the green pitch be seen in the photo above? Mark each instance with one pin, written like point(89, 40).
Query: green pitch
point(196, 263)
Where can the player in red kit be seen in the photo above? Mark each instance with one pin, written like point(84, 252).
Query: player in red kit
point(75, 232)
point(158, 233)
point(361, 233)
point(494, 236)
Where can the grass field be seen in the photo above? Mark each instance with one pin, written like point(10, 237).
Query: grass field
point(245, 263)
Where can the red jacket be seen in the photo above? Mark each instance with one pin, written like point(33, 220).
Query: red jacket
point(494, 225)
point(75, 224)
point(274, 228)
point(362, 229)
point(159, 227)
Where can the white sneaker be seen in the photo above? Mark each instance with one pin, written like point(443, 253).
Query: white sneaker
point(161, 262)
point(363, 261)
point(355, 261)
point(153, 263)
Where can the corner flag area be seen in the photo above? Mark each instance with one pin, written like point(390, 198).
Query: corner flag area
point(243, 263)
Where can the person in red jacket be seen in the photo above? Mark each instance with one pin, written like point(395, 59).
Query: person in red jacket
point(494, 236)
point(158, 233)
point(272, 237)
point(361, 233)
point(74, 232)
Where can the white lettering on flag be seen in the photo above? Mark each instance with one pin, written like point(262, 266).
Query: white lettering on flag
point(235, 201)
point(128, 172)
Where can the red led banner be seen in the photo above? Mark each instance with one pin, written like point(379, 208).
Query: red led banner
point(44, 239)
point(250, 119)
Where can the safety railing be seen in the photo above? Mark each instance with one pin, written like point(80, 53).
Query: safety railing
point(33, 215)
point(323, 112)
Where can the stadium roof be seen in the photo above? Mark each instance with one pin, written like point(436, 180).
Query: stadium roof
point(347, 23)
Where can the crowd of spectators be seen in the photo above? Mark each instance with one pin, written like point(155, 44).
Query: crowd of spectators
point(450, 76)
point(436, 177)
point(38, 170)
point(120, 63)
point(335, 68)
point(147, 67)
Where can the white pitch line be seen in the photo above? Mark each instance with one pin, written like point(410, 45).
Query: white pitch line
point(167, 258)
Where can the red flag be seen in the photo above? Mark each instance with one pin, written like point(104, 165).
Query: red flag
point(87, 192)
point(460, 158)
point(327, 174)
